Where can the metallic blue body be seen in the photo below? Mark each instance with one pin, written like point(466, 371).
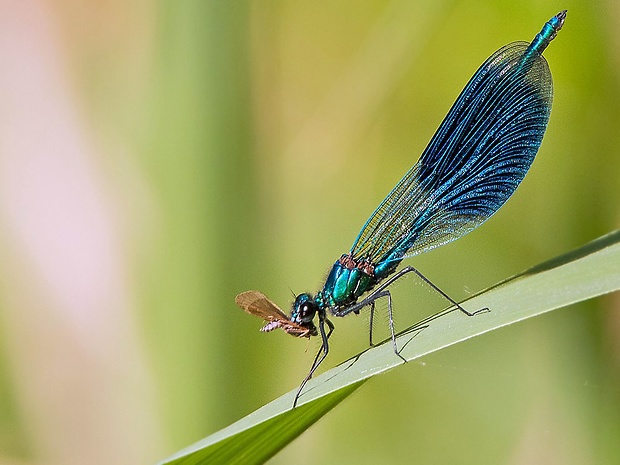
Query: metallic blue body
point(547, 34)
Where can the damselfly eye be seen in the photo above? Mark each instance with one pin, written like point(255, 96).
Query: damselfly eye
point(307, 309)
point(304, 309)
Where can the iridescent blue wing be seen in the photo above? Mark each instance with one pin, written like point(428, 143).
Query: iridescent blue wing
point(474, 162)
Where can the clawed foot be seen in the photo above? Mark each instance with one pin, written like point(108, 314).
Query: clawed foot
point(482, 310)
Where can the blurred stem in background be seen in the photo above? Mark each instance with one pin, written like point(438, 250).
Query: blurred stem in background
point(202, 162)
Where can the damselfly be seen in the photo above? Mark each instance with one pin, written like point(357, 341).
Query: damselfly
point(472, 165)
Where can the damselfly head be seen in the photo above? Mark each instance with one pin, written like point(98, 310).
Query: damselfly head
point(304, 309)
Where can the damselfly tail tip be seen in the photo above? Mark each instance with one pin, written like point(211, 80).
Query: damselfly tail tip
point(561, 16)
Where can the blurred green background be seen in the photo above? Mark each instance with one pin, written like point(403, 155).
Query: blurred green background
point(157, 158)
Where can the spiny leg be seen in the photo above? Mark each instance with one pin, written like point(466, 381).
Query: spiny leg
point(320, 356)
point(408, 269)
point(372, 320)
point(372, 297)
point(370, 301)
point(391, 318)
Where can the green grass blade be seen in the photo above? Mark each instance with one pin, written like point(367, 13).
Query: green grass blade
point(585, 273)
